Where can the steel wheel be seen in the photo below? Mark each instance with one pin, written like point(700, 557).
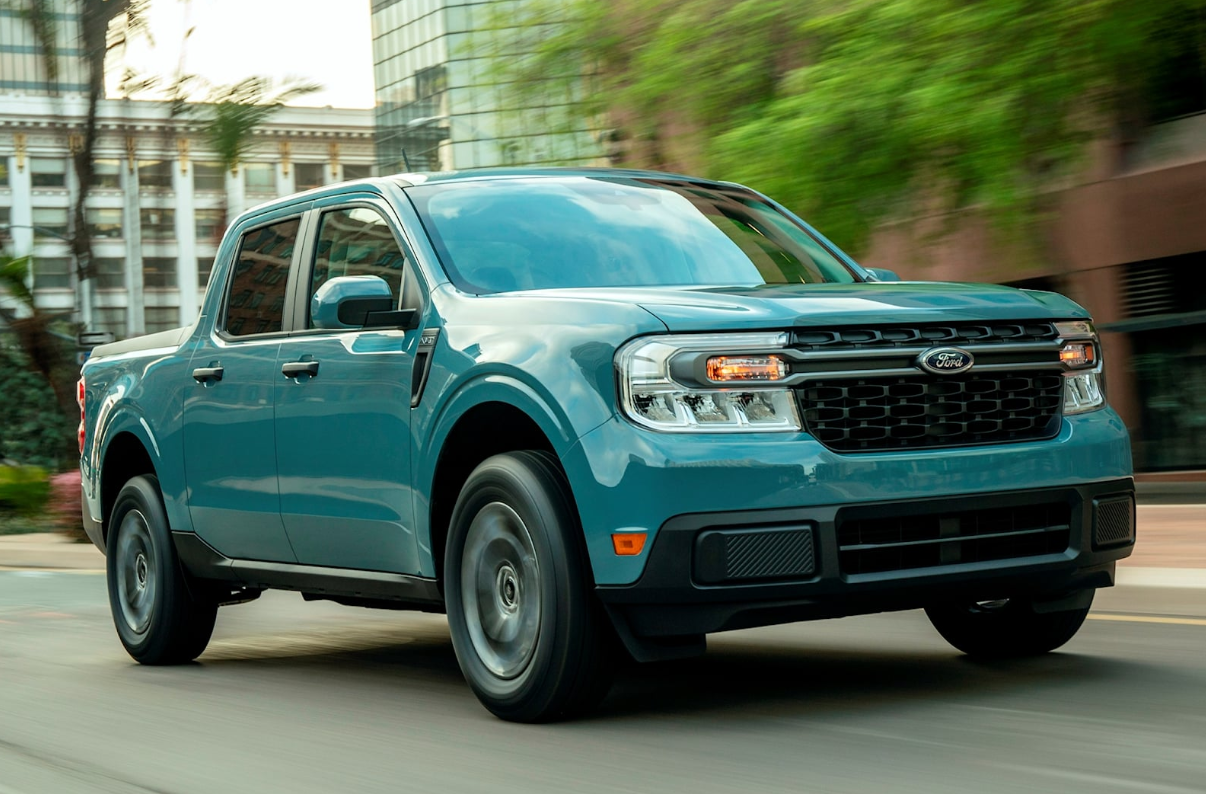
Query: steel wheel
point(160, 617)
point(500, 590)
point(137, 572)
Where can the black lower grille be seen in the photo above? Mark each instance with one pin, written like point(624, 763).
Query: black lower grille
point(878, 414)
point(1113, 521)
point(875, 545)
point(742, 555)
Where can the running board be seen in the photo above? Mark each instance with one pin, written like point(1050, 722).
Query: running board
point(205, 562)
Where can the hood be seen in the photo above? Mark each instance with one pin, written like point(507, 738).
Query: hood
point(775, 306)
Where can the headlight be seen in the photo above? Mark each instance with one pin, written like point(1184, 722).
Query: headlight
point(1081, 355)
point(650, 394)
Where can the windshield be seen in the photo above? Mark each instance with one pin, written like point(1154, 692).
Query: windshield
point(503, 235)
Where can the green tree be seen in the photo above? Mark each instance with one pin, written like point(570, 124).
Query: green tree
point(232, 113)
point(42, 352)
point(855, 112)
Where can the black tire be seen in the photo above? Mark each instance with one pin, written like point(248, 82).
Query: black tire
point(555, 665)
point(1005, 629)
point(158, 618)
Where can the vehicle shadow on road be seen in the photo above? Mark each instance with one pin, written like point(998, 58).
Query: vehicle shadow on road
point(735, 676)
point(814, 681)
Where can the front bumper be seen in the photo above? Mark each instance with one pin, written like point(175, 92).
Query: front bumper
point(669, 601)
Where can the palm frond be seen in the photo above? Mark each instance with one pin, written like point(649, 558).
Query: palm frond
point(14, 274)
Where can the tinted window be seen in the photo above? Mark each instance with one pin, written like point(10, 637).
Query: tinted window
point(356, 242)
point(542, 233)
point(255, 299)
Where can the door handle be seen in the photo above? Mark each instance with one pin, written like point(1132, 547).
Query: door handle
point(207, 374)
point(295, 369)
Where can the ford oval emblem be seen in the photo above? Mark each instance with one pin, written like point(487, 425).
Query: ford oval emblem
point(945, 361)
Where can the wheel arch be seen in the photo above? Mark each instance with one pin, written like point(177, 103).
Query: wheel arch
point(126, 455)
point(488, 417)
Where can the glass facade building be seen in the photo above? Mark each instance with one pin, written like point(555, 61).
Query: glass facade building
point(439, 105)
point(22, 69)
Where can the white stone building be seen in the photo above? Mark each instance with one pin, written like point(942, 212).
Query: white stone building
point(159, 201)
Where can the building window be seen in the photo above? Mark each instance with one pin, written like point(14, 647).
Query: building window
point(209, 178)
point(158, 224)
point(50, 223)
point(161, 318)
point(259, 177)
point(210, 224)
point(3, 172)
point(52, 272)
point(159, 272)
point(204, 265)
point(309, 175)
point(106, 174)
point(104, 222)
point(110, 273)
point(5, 220)
point(109, 318)
point(155, 174)
point(357, 171)
point(48, 172)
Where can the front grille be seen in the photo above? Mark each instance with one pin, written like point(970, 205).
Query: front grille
point(923, 336)
point(745, 555)
point(899, 543)
point(1113, 521)
point(879, 414)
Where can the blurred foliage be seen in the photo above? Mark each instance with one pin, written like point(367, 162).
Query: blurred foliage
point(233, 111)
point(65, 506)
point(34, 430)
point(23, 490)
point(854, 112)
point(37, 335)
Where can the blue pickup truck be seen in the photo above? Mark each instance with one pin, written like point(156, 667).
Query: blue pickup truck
point(596, 413)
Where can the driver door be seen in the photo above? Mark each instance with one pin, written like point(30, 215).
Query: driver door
point(343, 406)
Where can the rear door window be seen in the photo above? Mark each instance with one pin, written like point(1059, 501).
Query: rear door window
point(255, 298)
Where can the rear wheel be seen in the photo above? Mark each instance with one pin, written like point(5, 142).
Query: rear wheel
point(1005, 628)
point(529, 634)
point(159, 619)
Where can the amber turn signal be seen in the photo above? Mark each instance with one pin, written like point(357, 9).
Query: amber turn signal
point(1078, 355)
point(628, 544)
point(723, 369)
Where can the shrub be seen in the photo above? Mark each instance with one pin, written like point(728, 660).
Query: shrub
point(33, 429)
point(66, 504)
point(23, 489)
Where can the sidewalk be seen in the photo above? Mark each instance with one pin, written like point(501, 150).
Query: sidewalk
point(1170, 536)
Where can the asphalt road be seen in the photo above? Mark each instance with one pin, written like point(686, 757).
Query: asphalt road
point(297, 697)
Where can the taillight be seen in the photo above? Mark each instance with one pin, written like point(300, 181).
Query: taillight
point(79, 397)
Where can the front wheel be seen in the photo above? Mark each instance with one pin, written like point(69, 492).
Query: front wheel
point(529, 635)
point(1005, 628)
point(159, 619)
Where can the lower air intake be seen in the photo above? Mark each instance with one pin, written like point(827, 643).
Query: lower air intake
point(1113, 521)
point(729, 556)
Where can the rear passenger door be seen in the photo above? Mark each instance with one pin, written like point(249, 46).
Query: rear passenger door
point(343, 450)
point(229, 422)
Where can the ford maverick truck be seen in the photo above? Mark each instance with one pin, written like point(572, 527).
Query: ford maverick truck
point(595, 413)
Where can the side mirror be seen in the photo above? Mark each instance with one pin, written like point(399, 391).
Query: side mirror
point(882, 274)
point(356, 302)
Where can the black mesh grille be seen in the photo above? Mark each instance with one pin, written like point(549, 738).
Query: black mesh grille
point(926, 336)
point(900, 543)
point(872, 414)
point(723, 556)
point(1114, 521)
